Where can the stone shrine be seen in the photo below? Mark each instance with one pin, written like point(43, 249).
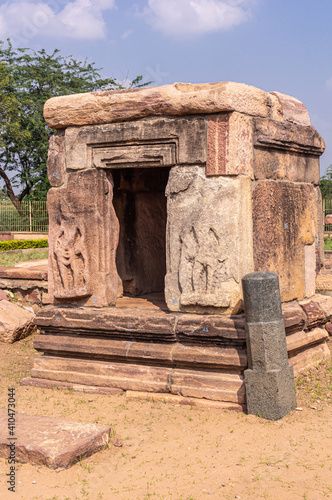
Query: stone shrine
point(162, 200)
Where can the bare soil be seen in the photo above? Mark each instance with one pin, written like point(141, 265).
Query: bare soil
point(177, 452)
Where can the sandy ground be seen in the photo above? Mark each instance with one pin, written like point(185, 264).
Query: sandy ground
point(178, 452)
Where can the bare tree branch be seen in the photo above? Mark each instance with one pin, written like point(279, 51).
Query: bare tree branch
point(14, 199)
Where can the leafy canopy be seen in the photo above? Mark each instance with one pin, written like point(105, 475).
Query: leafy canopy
point(27, 79)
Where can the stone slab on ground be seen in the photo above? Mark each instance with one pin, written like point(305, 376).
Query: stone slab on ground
point(53, 442)
point(27, 271)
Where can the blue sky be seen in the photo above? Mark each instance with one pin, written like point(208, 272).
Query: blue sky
point(274, 45)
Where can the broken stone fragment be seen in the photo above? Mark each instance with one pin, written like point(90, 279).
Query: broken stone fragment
point(16, 323)
point(53, 442)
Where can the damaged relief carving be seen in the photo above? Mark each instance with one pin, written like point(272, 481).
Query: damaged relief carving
point(83, 237)
point(69, 250)
point(208, 240)
point(201, 267)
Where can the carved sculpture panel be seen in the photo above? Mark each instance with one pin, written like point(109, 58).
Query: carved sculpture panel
point(209, 240)
point(83, 238)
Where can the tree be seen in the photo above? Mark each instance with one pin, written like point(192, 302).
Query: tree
point(326, 183)
point(27, 79)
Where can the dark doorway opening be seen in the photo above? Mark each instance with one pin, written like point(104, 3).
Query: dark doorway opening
point(140, 204)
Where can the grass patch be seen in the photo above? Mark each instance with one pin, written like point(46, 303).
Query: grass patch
point(9, 259)
point(315, 385)
point(328, 244)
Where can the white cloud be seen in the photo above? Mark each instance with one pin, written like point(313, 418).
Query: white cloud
point(181, 18)
point(81, 19)
point(126, 34)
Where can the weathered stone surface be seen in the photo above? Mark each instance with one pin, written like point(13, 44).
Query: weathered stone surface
point(211, 329)
point(19, 273)
point(177, 99)
point(208, 241)
point(278, 164)
point(116, 322)
point(103, 373)
point(50, 441)
point(309, 358)
point(226, 358)
point(299, 340)
point(210, 385)
point(284, 221)
point(18, 284)
point(229, 145)
point(56, 166)
point(158, 142)
point(83, 237)
point(269, 379)
point(315, 314)
point(287, 136)
point(199, 403)
point(310, 270)
point(328, 327)
point(325, 303)
point(293, 110)
point(16, 323)
point(129, 351)
point(53, 384)
point(324, 285)
point(294, 317)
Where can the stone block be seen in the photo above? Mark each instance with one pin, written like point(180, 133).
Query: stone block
point(315, 314)
point(208, 241)
point(116, 322)
point(172, 100)
point(209, 385)
point(50, 441)
point(284, 221)
point(292, 109)
point(56, 166)
point(16, 323)
point(309, 270)
point(230, 145)
point(301, 340)
point(287, 136)
point(325, 303)
point(278, 164)
point(294, 317)
point(151, 142)
point(309, 358)
point(211, 329)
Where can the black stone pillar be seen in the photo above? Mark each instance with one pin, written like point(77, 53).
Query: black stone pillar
point(269, 378)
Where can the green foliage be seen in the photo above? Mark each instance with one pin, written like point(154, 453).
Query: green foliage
point(27, 79)
point(326, 183)
point(328, 244)
point(19, 244)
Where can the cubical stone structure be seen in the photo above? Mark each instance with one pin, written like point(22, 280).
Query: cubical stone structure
point(162, 200)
